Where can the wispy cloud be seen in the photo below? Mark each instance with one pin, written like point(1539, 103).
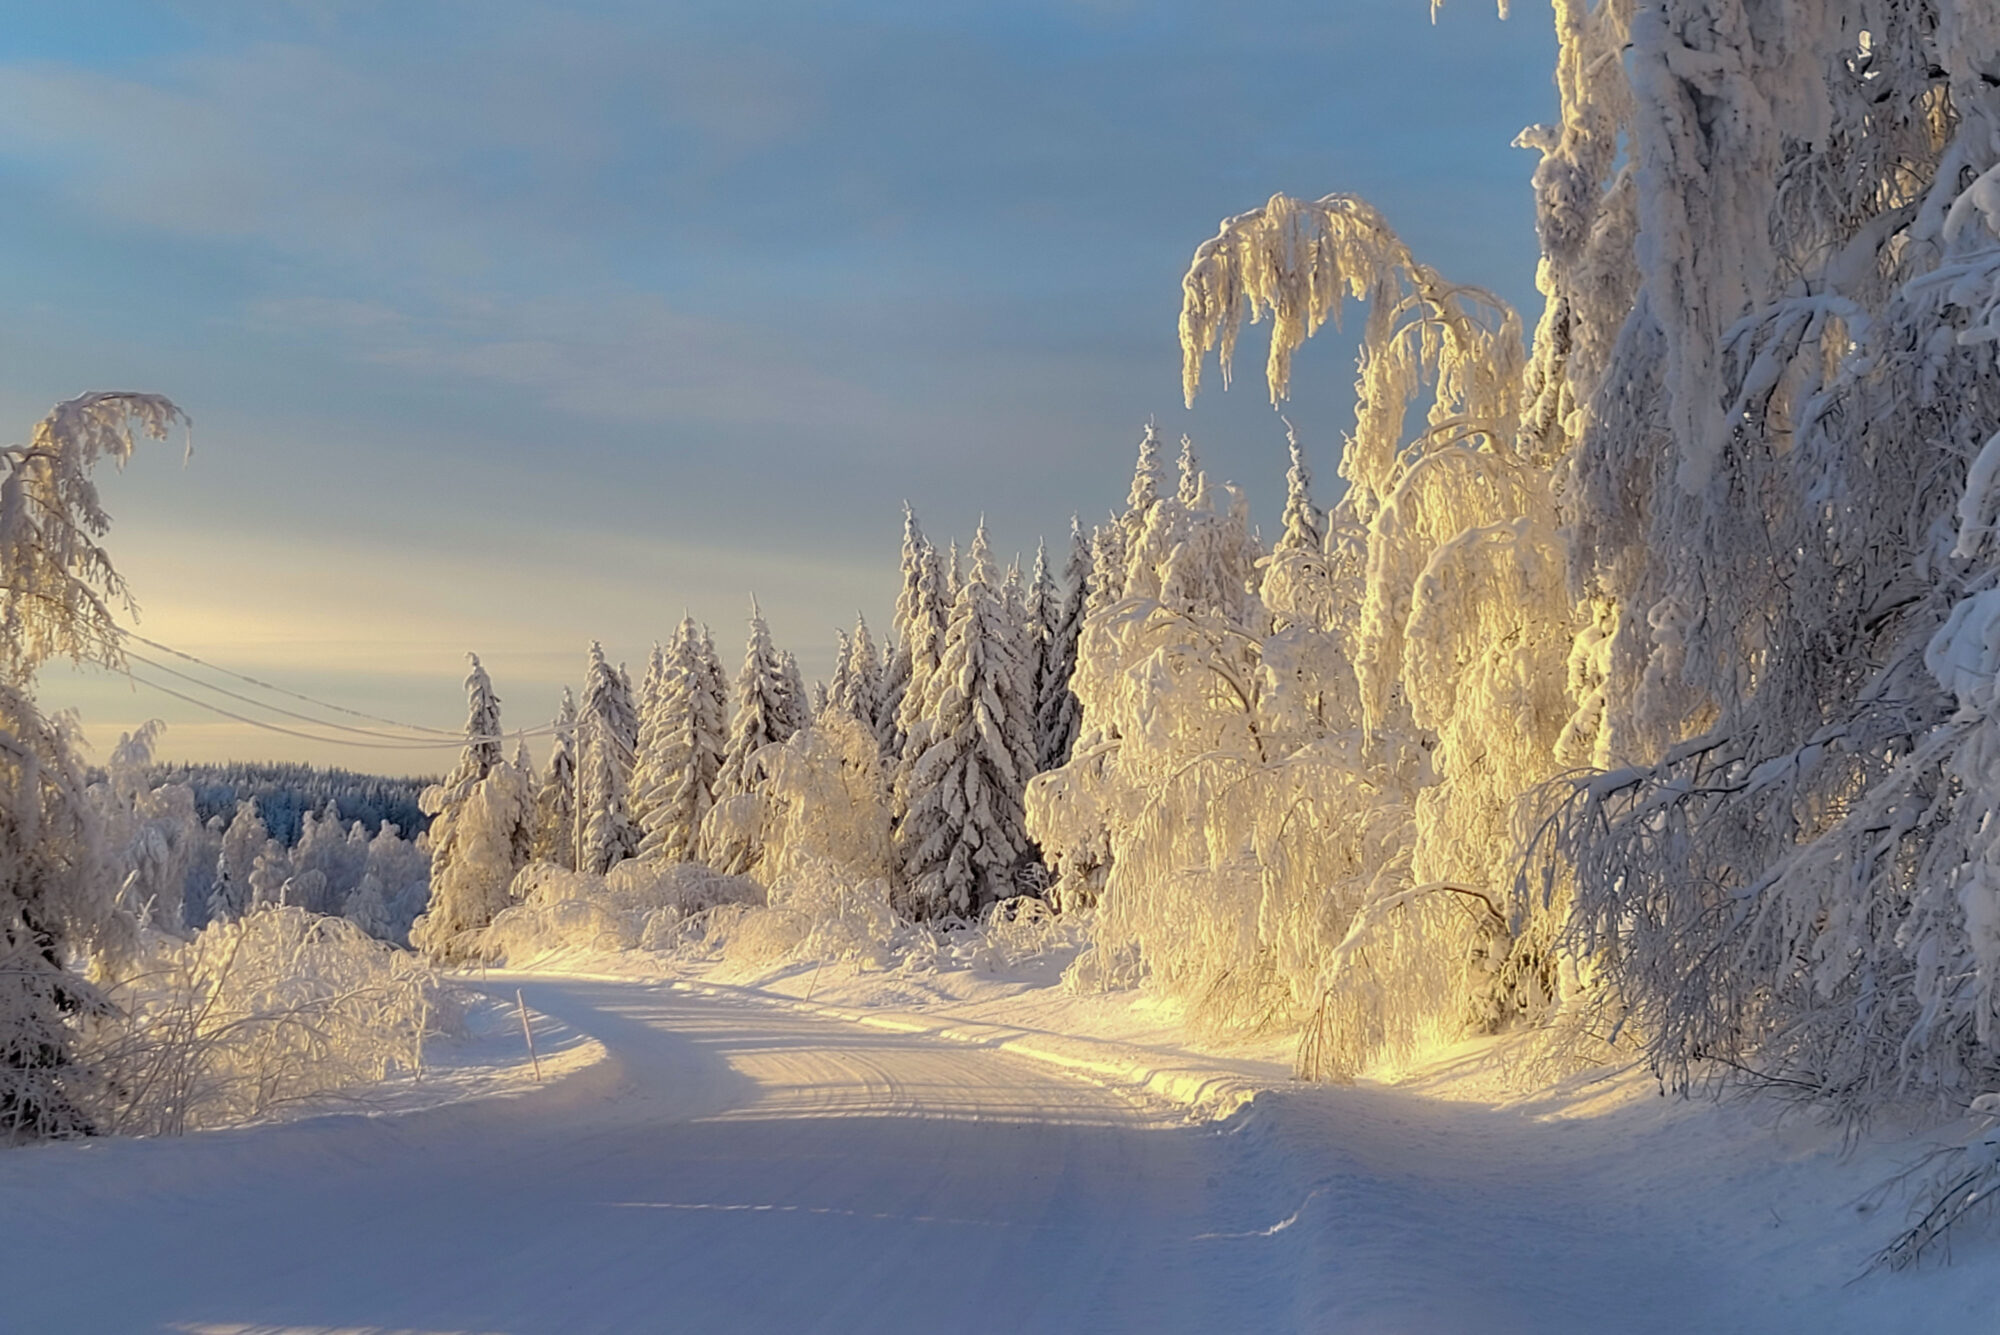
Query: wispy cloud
point(457, 291)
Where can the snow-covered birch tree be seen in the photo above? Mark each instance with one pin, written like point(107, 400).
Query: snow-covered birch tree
point(58, 596)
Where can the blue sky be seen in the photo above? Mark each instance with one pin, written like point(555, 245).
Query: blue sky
point(509, 325)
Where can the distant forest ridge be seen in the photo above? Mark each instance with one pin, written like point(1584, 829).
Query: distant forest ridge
point(285, 792)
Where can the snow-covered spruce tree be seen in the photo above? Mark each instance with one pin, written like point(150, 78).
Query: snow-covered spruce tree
point(1042, 607)
point(834, 690)
point(555, 800)
point(717, 698)
point(797, 710)
point(1024, 633)
point(242, 841)
point(607, 738)
point(650, 763)
point(761, 709)
point(859, 693)
point(962, 842)
point(482, 831)
point(918, 618)
point(1147, 475)
point(58, 591)
point(692, 753)
point(763, 717)
point(1189, 487)
point(922, 613)
point(1299, 586)
point(483, 740)
point(1056, 710)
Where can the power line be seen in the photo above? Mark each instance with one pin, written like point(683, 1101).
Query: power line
point(260, 704)
point(271, 686)
point(268, 726)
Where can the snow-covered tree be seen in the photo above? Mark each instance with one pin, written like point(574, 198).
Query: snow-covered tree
point(762, 710)
point(859, 694)
point(480, 837)
point(797, 706)
point(822, 808)
point(1300, 586)
point(833, 691)
point(482, 832)
point(607, 739)
point(1767, 359)
point(1190, 473)
point(230, 895)
point(918, 628)
point(1303, 522)
point(650, 763)
point(58, 589)
point(923, 612)
point(961, 842)
point(1107, 567)
point(483, 739)
point(151, 833)
point(555, 800)
point(1258, 807)
point(1057, 713)
point(732, 831)
point(692, 748)
point(1147, 475)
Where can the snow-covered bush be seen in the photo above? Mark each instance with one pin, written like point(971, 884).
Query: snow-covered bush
point(636, 906)
point(252, 1016)
point(823, 803)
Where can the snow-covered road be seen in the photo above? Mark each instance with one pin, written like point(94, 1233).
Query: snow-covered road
point(732, 1165)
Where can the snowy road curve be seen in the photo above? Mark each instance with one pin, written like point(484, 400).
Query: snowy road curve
point(738, 1166)
point(732, 1167)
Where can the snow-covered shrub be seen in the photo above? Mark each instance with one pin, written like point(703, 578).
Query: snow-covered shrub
point(636, 906)
point(1025, 928)
point(823, 803)
point(252, 1016)
point(1954, 1183)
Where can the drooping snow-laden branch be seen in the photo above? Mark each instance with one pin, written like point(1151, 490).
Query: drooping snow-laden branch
point(1294, 262)
point(58, 587)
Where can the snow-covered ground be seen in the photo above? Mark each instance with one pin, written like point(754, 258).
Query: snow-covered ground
point(956, 1151)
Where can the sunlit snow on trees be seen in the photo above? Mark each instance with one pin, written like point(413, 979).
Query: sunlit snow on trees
point(1638, 683)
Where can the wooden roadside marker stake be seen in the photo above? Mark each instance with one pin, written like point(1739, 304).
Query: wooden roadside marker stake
point(528, 1034)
